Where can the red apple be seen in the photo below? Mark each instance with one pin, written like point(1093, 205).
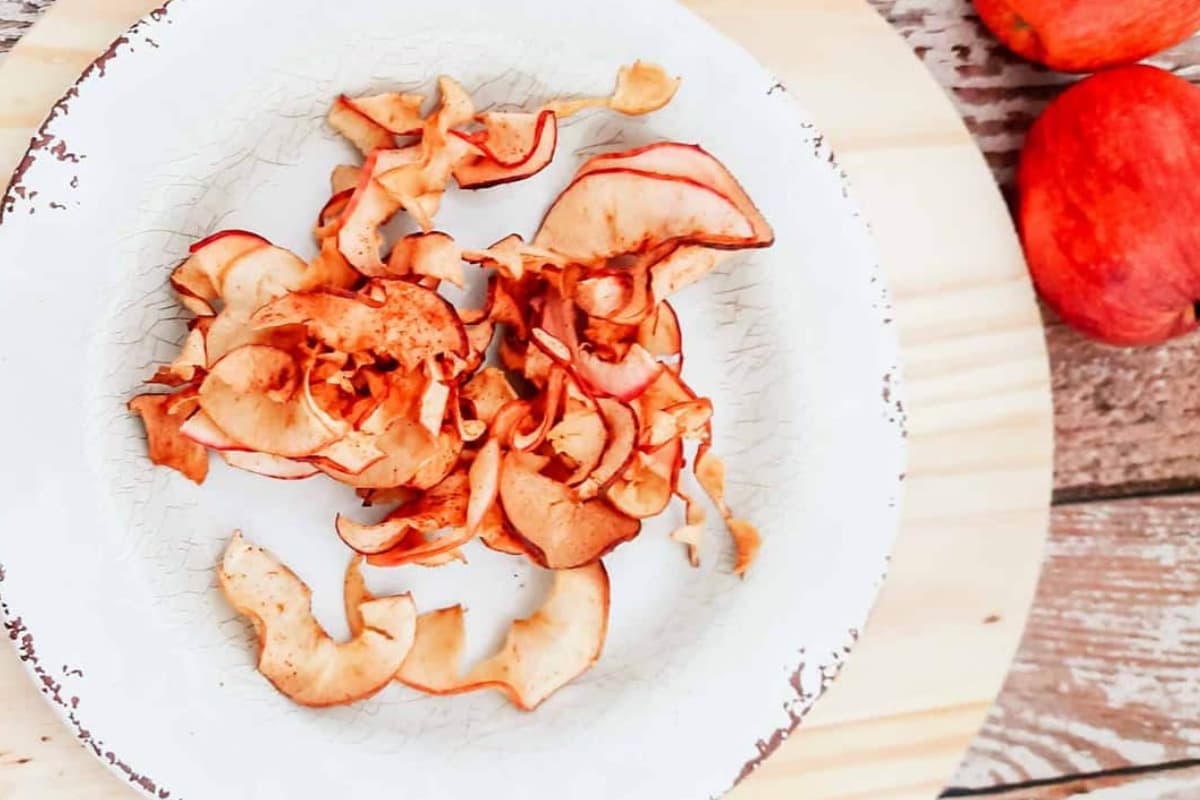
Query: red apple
point(1109, 199)
point(1087, 35)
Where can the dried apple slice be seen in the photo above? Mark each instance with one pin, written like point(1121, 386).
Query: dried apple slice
point(259, 275)
point(540, 655)
point(167, 446)
point(446, 451)
point(196, 280)
point(660, 334)
point(621, 423)
point(641, 88)
point(201, 429)
point(580, 437)
point(560, 642)
point(257, 395)
point(488, 391)
point(682, 268)
point(269, 466)
point(644, 489)
point(434, 254)
point(514, 145)
point(398, 114)
point(344, 178)
point(560, 530)
point(393, 318)
point(191, 361)
point(687, 161)
point(362, 131)
point(710, 473)
point(406, 447)
point(484, 478)
point(604, 295)
point(612, 212)
point(443, 506)
point(692, 532)
point(295, 654)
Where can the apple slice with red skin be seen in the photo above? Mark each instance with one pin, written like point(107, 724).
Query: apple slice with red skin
point(689, 161)
point(362, 131)
point(406, 447)
point(560, 530)
point(329, 218)
point(191, 361)
point(644, 489)
point(294, 653)
point(398, 114)
point(624, 380)
point(409, 323)
point(201, 429)
point(660, 334)
point(604, 293)
point(685, 266)
point(257, 395)
point(269, 466)
point(611, 212)
point(442, 506)
point(167, 446)
point(259, 275)
point(550, 401)
point(580, 438)
point(621, 423)
point(515, 146)
point(196, 280)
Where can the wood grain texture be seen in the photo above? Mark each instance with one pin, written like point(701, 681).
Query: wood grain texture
point(1167, 784)
point(16, 16)
point(1108, 673)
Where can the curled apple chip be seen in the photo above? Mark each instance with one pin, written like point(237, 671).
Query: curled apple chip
point(487, 392)
point(191, 361)
point(514, 145)
point(295, 654)
point(397, 113)
point(167, 446)
point(694, 163)
point(561, 530)
point(434, 254)
point(641, 88)
point(257, 396)
point(443, 506)
point(540, 655)
point(197, 279)
point(607, 213)
point(393, 318)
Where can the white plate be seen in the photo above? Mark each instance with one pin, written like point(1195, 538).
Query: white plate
point(209, 115)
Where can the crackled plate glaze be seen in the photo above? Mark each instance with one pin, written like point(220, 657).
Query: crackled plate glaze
point(210, 115)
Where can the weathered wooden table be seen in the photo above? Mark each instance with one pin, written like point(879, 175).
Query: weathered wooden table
point(1105, 691)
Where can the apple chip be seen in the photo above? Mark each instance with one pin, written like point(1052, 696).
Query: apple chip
point(392, 318)
point(443, 506)
point(514, 145)
point(167, 446)
point(560, 530)
point(612, 212)
point(269, 466)
point(295, 654)
point(710, 472)
point(641, 88)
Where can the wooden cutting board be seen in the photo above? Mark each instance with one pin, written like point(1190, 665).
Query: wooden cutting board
point(977, 395)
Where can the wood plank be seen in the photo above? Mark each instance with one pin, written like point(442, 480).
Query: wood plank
point(1106, 676)
point(16, 16)
point(1167, 784)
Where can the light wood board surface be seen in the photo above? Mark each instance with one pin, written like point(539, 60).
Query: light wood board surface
point(977, 391)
